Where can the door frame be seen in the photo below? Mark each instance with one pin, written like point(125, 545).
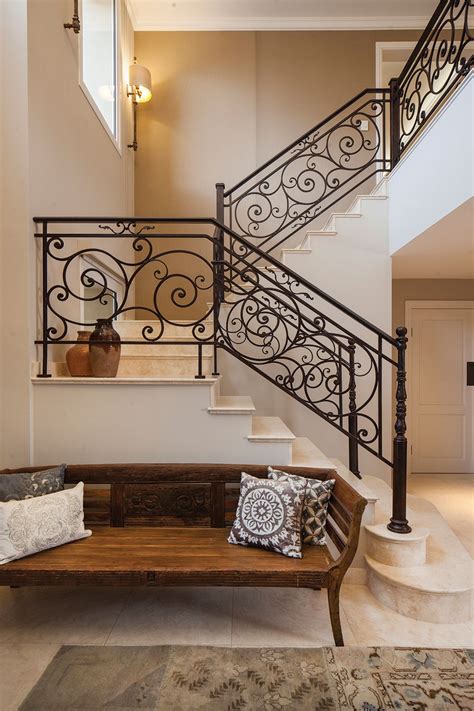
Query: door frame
point(410, 307)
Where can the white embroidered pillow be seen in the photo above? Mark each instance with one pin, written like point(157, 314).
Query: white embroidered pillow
point(44, 522)
point(269, 515)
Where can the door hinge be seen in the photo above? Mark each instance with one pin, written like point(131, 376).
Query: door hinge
point(411, 449)
point(411, 332)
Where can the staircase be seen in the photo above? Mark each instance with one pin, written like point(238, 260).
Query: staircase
point(242, 284)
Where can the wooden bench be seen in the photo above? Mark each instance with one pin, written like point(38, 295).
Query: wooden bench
point(167, 524)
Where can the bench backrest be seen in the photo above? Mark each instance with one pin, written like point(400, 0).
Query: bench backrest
point(192, 495)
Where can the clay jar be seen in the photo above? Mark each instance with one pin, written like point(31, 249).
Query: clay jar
point(77, 357)
point(104, 357)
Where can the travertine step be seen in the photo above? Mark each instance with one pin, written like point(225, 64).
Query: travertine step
point(156, 365)
point(306, 454)
point(232, 405)
point(441, 589)
point(270, 429)
point(179, 330)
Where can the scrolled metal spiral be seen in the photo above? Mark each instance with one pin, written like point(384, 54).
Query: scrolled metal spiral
point(446, 56)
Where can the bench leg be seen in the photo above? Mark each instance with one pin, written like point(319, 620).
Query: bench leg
point(333, 601)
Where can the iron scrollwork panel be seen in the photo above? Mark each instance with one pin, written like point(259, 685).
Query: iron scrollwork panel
point(270, 323)
point(312, 175)
point(180, 281)
point(445, 56)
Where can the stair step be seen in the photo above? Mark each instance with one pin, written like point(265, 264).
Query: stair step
point(390, 548)
point(438, 591)
point(179, 330)
point(306, 454)
point(270, 429)
point(148, 365)
point(424, 592)
point(232, 405)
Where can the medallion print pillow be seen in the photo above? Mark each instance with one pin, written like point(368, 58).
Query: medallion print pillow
point(269, 515)
point(26, 485)
point(40, 523)
point(315, 508)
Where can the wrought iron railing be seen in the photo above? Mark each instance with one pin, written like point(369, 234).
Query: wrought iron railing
point(441, 58)
point(314, 172)
point(366, 136)
point(223, 293)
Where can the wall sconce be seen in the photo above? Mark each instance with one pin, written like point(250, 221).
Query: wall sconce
point(139, 88)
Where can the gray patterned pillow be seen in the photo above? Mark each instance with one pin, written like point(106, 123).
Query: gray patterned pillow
point(269, 515)
point(40, 523)
point(24, 485)
point(315, 508)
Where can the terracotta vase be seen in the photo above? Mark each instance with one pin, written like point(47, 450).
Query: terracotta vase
point(104, 357)
point(77, 357)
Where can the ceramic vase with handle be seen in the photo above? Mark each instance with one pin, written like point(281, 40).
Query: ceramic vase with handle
point(77, 357)
point(105, 355)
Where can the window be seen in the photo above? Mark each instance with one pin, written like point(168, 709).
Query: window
point(99, 60)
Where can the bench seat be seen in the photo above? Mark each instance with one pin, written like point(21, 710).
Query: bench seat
point(167, 556)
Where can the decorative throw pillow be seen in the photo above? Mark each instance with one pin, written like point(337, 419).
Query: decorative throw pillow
point(269, 515)
point(315, 508)
point(24, 485)
point(43, 522)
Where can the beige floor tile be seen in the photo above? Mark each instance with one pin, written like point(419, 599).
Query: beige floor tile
point(81, 615)
point(453, 496)
point(175, 616)
point(374, 624)
point(21, 665)
point(283, 617)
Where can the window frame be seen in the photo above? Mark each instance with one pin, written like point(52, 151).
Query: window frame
point(115, 138)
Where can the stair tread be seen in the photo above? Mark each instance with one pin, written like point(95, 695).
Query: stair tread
point(127, 380)
point(305, 453)
point(229, 404)
point(269, 429)
point(443, 577)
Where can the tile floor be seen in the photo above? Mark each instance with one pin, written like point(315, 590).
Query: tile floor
point(35, 622)
point(453, 496)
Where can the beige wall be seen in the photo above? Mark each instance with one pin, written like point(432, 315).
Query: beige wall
point(427, 290)
point(57, 159)
point(226, 101)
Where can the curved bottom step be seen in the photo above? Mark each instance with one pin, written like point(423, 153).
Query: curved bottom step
point(448, 606)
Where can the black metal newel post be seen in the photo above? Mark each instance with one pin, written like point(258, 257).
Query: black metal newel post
point(398, 522)
point(394, 122)
point(218, 257)
point(44, 258)
point(353, 446)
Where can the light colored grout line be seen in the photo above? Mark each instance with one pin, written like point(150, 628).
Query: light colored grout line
point(119, 614)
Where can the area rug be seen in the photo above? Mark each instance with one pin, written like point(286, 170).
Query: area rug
point(231, 679)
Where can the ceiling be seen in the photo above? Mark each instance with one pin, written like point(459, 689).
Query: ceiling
point(444, 251)
point(279, 14)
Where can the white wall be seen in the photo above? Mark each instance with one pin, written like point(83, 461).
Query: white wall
point(57, 159)
point(437, 175)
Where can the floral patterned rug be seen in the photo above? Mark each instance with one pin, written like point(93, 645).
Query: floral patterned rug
point(225, 679)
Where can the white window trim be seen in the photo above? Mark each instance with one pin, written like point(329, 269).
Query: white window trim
point(116, 140)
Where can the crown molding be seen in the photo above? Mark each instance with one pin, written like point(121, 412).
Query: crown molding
point(236, 24)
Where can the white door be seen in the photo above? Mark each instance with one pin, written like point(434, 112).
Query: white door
point(441, 422)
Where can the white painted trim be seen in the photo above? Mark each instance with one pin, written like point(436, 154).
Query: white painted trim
point(119, 79)
point(379, 50)
point(410, 307)
point(221, 24)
